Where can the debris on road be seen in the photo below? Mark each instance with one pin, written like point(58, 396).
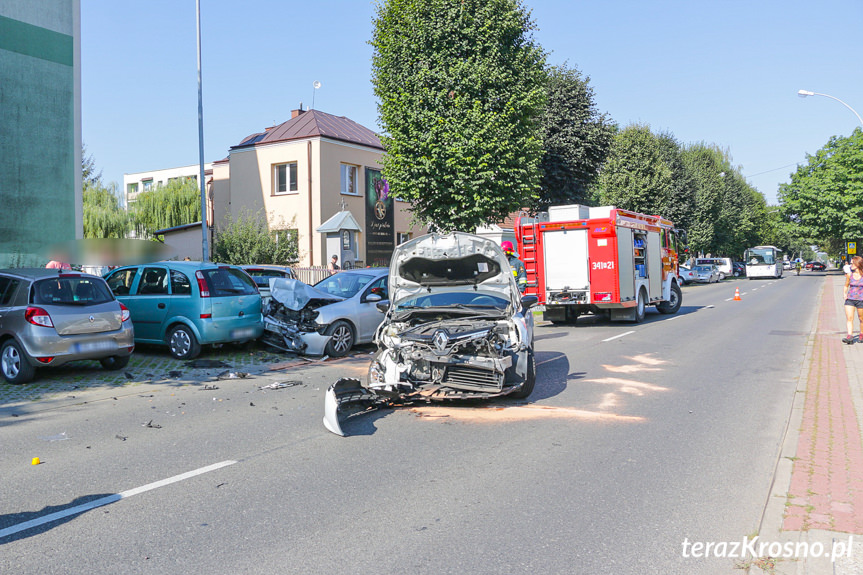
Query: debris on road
point(152, 425)
point(58, 437)
point(344, 394)
point(280, 385)
point(232, 375)
point(210, 388)
point(121, 437)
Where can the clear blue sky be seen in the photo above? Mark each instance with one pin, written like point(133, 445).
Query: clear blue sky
point(722, 72)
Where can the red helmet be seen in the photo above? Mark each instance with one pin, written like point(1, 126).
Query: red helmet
point(507, 246)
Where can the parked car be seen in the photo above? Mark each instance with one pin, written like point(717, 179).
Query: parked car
point(706, 274)
point(52, 317)
point(185, 305)
point(328, 318)
point(457, 328)
point(739, 269)
point(685, 275)
point(262, 274)
point(723, 265)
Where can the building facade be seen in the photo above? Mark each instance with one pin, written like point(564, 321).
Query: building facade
point(134, 184)
point(40, 123)
point(302, 174)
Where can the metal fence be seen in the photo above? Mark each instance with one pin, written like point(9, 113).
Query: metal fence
point(311, 275)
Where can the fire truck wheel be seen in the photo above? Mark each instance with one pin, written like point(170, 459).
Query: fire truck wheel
point(640, 307)
point(673, 304)
point(530, 381)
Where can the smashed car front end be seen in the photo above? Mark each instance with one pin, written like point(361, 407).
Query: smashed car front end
point(292, 318)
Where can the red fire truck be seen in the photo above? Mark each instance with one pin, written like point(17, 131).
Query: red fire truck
point(582, 259)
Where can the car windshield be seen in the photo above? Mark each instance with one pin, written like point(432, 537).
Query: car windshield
point(705, 269)
point(453, 299)
point(71, 290)
point(757, 256)
point(344, 284)
point(229, 281)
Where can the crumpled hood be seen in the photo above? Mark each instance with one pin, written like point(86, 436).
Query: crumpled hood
point(295, 295)
point(454, 262)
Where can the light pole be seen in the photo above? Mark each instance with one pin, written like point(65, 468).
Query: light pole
point(202, 183)
point(804, 93)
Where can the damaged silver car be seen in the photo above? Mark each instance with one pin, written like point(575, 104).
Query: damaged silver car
point(328, 318)
point(457, 328)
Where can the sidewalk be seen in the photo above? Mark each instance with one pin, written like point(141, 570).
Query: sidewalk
point(817, 496)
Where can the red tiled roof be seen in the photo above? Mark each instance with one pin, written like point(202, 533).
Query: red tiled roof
point(315, 123)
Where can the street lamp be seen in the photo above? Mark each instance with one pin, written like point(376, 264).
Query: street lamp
point(804, 93)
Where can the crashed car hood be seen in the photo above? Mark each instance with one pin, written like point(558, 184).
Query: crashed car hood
point(455, 262)
point(295, 295)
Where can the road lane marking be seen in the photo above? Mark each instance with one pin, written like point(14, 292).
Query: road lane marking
point(709, 307)
point(672, 318)
point(619, 335)
point(109, 499)
point(729, 299)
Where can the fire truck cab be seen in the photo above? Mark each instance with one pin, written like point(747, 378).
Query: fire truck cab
point(582, 259)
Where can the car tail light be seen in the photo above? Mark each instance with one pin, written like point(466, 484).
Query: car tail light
point(597, 297)
point(38, 316)
point(202, 284)
point(206, 316)
point(48, 359)
point(124, 313)
point(131, 348)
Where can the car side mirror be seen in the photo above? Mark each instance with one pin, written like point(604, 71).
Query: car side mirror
point(383, 306)
point(528, 301)
point(373, 297)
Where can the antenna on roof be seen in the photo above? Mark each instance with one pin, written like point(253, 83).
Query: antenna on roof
point(315, 85)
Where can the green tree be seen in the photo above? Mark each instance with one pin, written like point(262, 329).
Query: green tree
point(175, 204)
point(576, 139)
point(88, 168)
point(249, 240)
point(460, 87)
point(636, 176)
point(104, 217)
point(706, 166)
point(824, 200)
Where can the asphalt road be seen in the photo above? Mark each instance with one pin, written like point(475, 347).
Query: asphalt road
point(636, 438)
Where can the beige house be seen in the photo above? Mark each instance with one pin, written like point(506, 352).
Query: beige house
point(319, 176)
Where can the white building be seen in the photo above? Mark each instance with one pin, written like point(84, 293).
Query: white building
point(133, 184)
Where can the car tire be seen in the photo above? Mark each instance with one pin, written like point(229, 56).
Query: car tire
point(672, 305)
point(721, 276)
point(115, 362)
point(640, 307)
point(341, 339)
point(530, 379)
point(182, 343)
point(14, 365)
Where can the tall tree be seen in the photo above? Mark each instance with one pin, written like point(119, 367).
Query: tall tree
point(825, 196)
point(88, 168)
point(104, 217)
point(174, 204)
point(248, 240)
point(460, 85)
point(576, 139)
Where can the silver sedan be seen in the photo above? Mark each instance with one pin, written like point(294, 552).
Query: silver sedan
point(706, 274)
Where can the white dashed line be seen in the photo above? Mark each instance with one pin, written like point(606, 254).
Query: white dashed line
point(619, 335)
point(108, 500)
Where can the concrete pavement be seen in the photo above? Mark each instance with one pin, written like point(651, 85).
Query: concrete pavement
point(817, 498)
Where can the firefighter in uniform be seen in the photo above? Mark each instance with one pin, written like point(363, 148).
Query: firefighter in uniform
point(516, 264)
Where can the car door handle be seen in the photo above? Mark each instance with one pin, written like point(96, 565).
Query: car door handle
point(161, 306)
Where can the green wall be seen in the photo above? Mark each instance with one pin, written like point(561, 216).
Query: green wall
point(38, 138)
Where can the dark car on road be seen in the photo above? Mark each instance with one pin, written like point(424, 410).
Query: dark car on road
point(816, 266)
point(49, 317)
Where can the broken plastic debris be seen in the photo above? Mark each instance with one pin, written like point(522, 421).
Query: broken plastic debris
point(121, 437)
point(209, 388)
point(233, 375)
point(58, 437)
point(280, 385)
point(152, 425)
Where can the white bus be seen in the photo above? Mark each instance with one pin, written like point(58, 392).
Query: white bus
point(763, 262)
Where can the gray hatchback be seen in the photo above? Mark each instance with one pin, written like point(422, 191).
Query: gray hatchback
point(52, 317)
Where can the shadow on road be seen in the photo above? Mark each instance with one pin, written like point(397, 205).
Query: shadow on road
point(12, 522)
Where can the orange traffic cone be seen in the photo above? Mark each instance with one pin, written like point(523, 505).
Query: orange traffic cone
point(736, 294)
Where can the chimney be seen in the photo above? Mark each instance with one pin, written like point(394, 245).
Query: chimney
point(295, 113)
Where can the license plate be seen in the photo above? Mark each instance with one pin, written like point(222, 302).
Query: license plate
point(243, 333)
point(91, 346)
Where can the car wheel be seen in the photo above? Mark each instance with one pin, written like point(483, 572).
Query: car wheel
point(721, 276)
point(640, 307)
point(529, 380)
point(341, 340)
point(673, 304)
point(183, 344)
point(14, 364)
point(115, 362)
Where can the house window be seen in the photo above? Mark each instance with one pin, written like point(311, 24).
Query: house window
point(402, 237)
point(285, 178)
point(147, 184)
point(132, 188)
point(349, 180)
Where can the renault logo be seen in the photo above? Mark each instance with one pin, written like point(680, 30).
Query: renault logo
point(92, 319)
point(440, 340)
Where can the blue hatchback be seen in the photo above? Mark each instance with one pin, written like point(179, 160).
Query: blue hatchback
point(185, 305)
